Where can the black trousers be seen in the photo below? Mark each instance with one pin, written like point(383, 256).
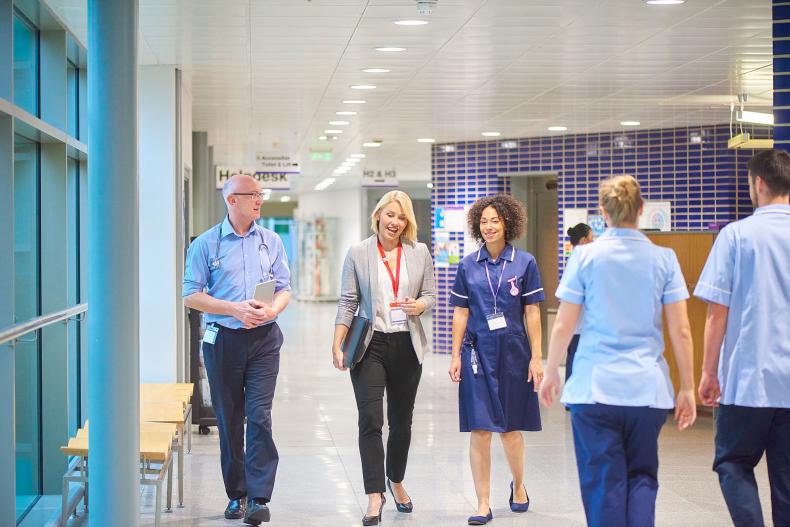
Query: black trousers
point(743, 434)
point(389, 364)
point(242, 367)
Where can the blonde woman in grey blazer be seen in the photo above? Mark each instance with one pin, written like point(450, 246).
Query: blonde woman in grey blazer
point(387, 279)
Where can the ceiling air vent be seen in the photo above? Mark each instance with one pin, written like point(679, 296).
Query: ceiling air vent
point(426, 7)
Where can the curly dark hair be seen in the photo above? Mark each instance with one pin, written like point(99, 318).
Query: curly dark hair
point(509, 209)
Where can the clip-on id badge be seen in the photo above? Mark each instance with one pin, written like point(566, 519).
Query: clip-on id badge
point(496, 321)
point(210, 336)
point(397, 314)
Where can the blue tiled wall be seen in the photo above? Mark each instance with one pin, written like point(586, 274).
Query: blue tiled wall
point(691, 167)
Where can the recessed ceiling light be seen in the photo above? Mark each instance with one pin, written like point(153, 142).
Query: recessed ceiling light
point(665, 2)
point(285, 199)
point(411, 22)
point(426, 140)
point(332, 131)
point(363, 87)
point(352, 160)
point(358, 156)
point(629, 123)
point(354, 101)
point(325, 183)
point(345, 113)
point(429, 185)
point(371, 145)
point(376, 70)
point(491, 134)
point(338, 123)
point(390, 49)
point(557, 128)
point(322, 138)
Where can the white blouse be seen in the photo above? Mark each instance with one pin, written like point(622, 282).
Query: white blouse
point(385, 295)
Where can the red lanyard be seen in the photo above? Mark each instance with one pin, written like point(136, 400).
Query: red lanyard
point(396, 277)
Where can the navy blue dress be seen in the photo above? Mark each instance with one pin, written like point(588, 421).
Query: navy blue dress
point(497, 397)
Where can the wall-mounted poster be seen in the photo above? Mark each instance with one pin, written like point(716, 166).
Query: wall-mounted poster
point(656, 216)
point(597, 224)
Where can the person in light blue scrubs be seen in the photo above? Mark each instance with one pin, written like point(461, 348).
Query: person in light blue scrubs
point(746, 367)
point(496, 357)
point(620, 390)
point(579, 234)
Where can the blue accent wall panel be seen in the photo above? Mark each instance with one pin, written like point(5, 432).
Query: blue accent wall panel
point(691, 167)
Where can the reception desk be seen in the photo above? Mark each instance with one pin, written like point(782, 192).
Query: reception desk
point(692, 250)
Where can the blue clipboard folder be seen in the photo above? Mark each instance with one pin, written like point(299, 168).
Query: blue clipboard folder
point(354, 344)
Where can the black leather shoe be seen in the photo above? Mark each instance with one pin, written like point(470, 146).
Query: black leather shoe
point(367, 521)
point(257, 512)
point(402, 507)
point(235, 509)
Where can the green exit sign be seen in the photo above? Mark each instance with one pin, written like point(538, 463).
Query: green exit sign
point(321, 156)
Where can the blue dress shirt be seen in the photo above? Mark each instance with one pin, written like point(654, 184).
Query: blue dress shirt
point(622, 280)
point(230, 267)
point(748, 270)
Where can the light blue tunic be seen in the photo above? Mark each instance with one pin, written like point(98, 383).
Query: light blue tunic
point(622, 280)
point(231, 269)
point(748, 270)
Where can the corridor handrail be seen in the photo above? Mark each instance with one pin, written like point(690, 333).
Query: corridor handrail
point(16, 331)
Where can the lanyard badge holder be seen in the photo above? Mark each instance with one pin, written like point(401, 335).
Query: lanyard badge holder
point(496, 320)
point(396, 313)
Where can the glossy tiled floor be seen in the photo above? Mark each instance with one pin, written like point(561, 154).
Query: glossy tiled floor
point(320, 482)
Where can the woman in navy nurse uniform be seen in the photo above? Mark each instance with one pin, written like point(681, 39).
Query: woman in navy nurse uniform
point(620, 390)
point(496, 288)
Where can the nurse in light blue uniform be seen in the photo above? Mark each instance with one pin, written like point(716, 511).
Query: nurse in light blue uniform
point(496, 356)
point(620, 390)
point(746, 368)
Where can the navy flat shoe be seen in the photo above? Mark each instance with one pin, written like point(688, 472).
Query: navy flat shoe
point(402, 507)
point(518, 507)
point(480, 520)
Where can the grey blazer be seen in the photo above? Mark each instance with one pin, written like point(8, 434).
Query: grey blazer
point(359, 284)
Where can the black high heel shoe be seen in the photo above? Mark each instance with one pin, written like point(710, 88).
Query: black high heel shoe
point(374, 520)
point(402, 507)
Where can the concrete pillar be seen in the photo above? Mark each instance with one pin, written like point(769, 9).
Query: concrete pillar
point(113, 294)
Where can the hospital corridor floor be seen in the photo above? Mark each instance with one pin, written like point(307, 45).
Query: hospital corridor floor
point(319, 480)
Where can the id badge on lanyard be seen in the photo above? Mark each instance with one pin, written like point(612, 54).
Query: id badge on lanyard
point(210, 336)
point(496, 320)
point(397, 314)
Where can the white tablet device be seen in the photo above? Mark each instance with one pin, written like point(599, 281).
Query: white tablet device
point(264, 292)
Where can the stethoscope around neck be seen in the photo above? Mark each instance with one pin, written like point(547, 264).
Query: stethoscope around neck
point(215, 262)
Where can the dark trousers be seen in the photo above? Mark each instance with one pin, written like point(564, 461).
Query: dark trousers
point(571, 354)
point(617, 459)
point(389, 364)
point(242, 367)
point(742, 435)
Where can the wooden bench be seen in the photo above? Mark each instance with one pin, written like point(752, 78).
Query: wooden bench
point(171, 413)
point(156, 462)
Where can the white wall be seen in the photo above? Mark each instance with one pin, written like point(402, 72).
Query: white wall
point(159, 191)
point(345, 205)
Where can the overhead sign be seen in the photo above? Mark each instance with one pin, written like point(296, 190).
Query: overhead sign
point(277, 164)
point(270, 180)
point(379, 178)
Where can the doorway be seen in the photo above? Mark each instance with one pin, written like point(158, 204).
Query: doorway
point(538, 193)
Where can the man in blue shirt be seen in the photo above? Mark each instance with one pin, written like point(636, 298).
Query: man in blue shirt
point(746, 367)
point(241, 346)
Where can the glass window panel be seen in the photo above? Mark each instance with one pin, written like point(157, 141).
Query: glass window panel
point(25, 65)
point(26, 284)
point(74, 294)
point(73, 99)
